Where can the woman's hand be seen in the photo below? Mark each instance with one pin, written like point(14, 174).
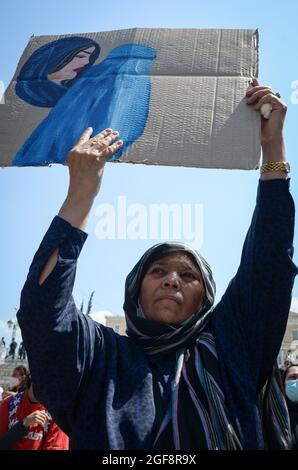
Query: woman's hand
point(86, 162)
point(8, 393)
point(37, 417)
point(271, 128)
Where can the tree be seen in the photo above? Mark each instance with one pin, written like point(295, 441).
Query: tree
point(90, 303)
point(89, 307)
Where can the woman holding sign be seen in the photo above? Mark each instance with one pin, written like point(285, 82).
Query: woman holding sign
point(190, 375)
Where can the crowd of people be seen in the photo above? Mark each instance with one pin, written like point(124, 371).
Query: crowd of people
point(25, 424)
point(11, 352)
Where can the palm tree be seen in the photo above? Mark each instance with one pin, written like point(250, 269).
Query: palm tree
point(89, 307)
point(90, 303)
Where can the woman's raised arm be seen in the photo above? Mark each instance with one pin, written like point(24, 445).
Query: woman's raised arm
point(86, 162)
point(273, 148)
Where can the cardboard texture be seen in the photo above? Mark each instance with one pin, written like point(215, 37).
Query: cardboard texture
point(175, 95)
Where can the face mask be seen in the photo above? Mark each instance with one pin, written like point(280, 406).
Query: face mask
point(292, 390)
point(13, 382)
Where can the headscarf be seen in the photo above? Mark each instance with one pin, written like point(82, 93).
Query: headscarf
point(93, 101)
point(33, 85)
point(159, 338)
point(197, 417)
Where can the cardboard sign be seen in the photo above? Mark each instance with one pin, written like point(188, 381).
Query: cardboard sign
point(175, 95)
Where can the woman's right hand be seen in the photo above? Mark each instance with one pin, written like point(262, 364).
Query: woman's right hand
point(86, 162)
point(37, 417)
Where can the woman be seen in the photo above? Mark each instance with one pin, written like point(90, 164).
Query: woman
point(52, 69)
point(178, 381)
point(291, 390)
point(18, 381)
point(26, 425)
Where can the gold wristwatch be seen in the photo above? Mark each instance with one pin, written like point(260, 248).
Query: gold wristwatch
point(275, 166)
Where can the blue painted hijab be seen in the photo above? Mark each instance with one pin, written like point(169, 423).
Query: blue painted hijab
point(33, 85)
point(114, 93)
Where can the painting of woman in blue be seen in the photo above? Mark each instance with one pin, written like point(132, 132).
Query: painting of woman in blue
point(114, 93)
point(53, 68)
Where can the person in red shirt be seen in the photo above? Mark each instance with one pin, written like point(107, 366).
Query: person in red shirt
point(17, 381)
point(25, 424)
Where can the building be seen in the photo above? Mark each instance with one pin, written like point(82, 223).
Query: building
point(117, 322)
point(289, 348)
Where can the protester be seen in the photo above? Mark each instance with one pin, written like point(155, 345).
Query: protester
point(26, 425)
point(12, 349)
point(189, 375)
point(22, 352)
point(291, 390)
point(18, 381)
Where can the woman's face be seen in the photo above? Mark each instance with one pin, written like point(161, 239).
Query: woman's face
point(75, 66)
point(292, 373)
point(21, 378)
point(291, 384)
point(172, 289)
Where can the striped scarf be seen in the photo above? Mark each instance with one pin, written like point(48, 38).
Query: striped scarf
point(197, 417)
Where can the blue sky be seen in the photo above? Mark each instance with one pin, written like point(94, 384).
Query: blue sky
point(30, 197)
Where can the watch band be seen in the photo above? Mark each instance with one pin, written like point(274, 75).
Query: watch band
point(275, 166)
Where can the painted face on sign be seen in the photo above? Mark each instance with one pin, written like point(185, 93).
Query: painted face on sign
point(73, 68)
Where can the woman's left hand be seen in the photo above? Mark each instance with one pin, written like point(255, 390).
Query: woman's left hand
point(271, 128)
